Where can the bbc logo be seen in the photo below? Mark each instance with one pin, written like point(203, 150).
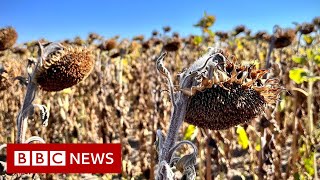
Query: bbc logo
point(64, 158)
point(39, 158)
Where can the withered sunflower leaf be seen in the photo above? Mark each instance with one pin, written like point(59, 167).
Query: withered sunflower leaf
point(189, 174)
point(50, 48)
point(3, 166)
point(159, 141)
point(169, 173)
point(34, 139)
point(186, 161)
point(44, 112)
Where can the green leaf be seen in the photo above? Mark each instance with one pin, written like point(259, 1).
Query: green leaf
point(206, 21)
point(317, 59)
point(197, 40)
point(298, 75)
point(302, 149)
point(299, 59)
point(282, 104)
point(243, 139)
point(310, 54)
point(190, 133)
point(211, 33)
point(205, 13)
point(308, 39)
point(308, 164)
point(297, 176)
point(258, 147)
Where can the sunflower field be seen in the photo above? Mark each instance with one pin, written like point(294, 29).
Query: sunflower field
point(253, 112)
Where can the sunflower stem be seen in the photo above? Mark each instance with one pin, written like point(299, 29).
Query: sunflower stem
point(310, 115)
point(22, 118)
point(310, 98)
point(177, 117)
point(271, 46)
point(208, 156)
point(178, 113)
point(299, 39)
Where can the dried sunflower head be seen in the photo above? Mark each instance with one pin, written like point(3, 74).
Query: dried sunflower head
point(316, 21)
point(147, 44)
point(222, 35)
point(78, 41)
point(262, 35)
point(284, 37)
point(239, 29)
point(224, 94)
point(64, 67)
point(108, 45)
point(156, 41)
point(248, 32)
point(173, 44)
point(94, 36)
point(8, 36)
point(138, 38)
point(155, 33)
point(176, 35)
point(166, 28)
point(4, 79)
point(9, 71)
point(305, 28)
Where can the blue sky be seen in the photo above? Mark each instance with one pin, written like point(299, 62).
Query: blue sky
point(64, 19)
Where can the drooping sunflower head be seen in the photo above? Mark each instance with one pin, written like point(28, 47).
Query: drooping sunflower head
point(155, 33)
point(262, 35)
point(4, 80)
point(64, 67)
point(173, 44)
point(9, 72)
point(316, 21)
point(94, 36)
point(138, 38)
point(222, 35)
point(284, 37)
point(239, 29)
point(8, 37)
point(224, 94)
point(166, 29)
point(108, 45)
point(305, 28)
